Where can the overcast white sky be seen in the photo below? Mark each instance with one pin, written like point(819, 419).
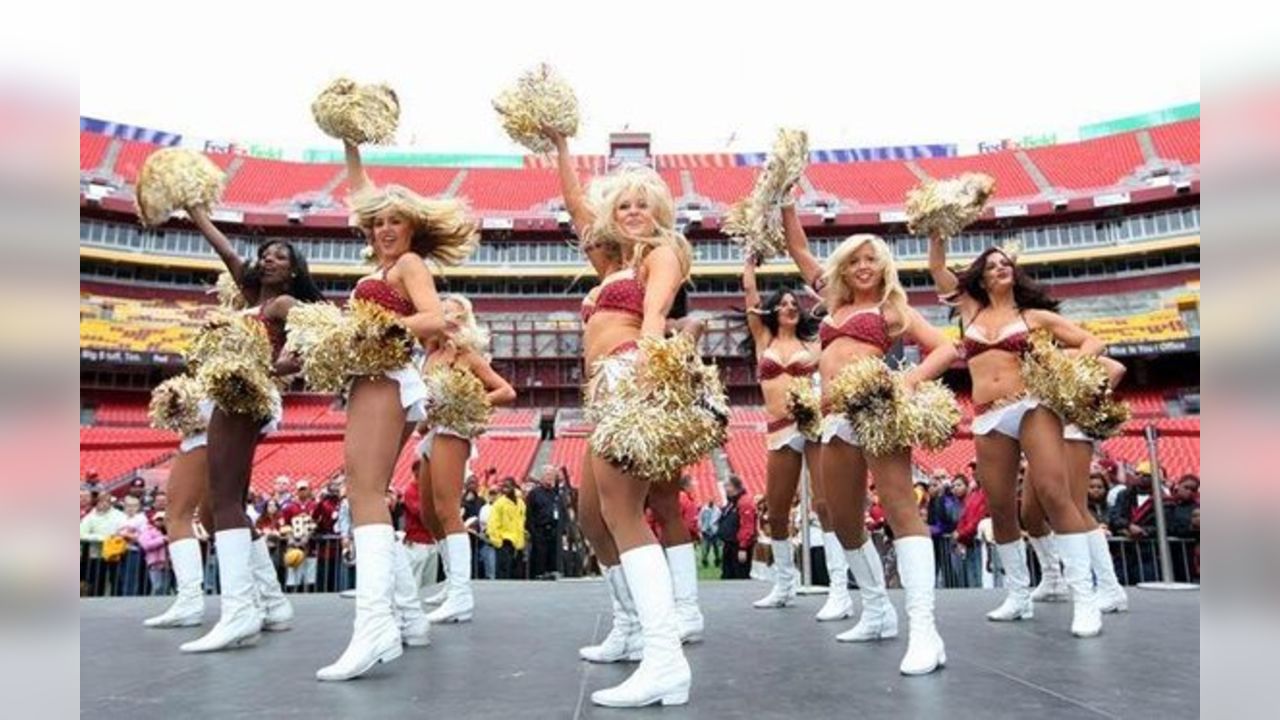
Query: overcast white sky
point(693, 73)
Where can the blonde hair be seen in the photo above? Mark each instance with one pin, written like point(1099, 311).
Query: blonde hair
point(607, 191)
point(835, 294)
point(469, 336)
point(443, 230)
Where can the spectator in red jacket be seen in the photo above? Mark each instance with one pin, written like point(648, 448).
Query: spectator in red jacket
point(737, 531)
point(966, 554)
point(328, 548)
point(419, 542)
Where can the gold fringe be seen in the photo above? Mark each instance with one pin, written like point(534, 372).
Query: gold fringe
point(668, 415)
point(359, 114)
point(175, 179)
point(228, 292)
point(316, 333)
point(239, 386)
point(756, 221)
point(378, 339)
point(804, 406)
point(540, 99)
point(1078, 389)
point(457, 400)
point(945, 207)
point(175, 405)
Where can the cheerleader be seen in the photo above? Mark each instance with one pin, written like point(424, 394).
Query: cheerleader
point(445, 450)
point(250, 593)
point(1079, 456)
point(633, 209)
point(867, 314)
point(188, 478)
point(783, 339)
point(999, 307)
point(403, 230)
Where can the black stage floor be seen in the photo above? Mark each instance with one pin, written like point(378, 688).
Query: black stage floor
point(518, 659)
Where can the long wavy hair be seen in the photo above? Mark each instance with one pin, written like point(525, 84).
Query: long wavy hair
point(469, 336)
point(806, 328)
point(835, 294)
point(606, 192)
point(1027, 293)
point(443, 230)
point(302, 287)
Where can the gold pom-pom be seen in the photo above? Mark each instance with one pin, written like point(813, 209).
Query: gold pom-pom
point(317, 334)
point(378, 339)
point(945, 207)
point(1078, 389)
point(239, 386)
point(228, 293)
point(666, 416)
point(886, 417)
point(456, 399)
point(541, 99)
point(359, 114)
point(755, 221)
point(175, 179)
point(804, 406)
point(861, 386)
point(929, 416)
point(175, 405)
point(232, 359)
point(230, 335)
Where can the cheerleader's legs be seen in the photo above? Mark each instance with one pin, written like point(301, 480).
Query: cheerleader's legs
point(663, 675)
point(185, 489)
point(375, 428)
point(844, 474)
point(782, 476)
point(664, 500)
point(914, 549)
point(624, 640)
point(448, 465)
point(232, 441)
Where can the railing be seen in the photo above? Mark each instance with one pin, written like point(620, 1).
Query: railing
point(326, 566)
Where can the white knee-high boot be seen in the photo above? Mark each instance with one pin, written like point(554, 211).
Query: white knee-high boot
point(375, 636)
point(839, 604)
point(241, 620)
point(663, 675)
point(188, 572)
point(879, 621)
point(925, 650)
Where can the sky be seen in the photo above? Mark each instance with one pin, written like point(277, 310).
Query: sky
point(700, 76)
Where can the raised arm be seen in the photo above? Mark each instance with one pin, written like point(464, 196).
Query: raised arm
point(798, 247)
point(498, 389)
point(575, 200)
point(939, 352)
point(759, 332)
point(1067, 333)
point(221, 245)
point(357, 178)
point(943, 278)
point(428, 318)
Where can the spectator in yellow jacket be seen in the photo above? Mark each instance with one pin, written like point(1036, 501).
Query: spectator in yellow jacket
point(506, 528)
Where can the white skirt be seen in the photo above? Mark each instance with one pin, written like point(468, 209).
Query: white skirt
point(201, 439)
point(1007, 419)
point(836, 425)
point(788, 437)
